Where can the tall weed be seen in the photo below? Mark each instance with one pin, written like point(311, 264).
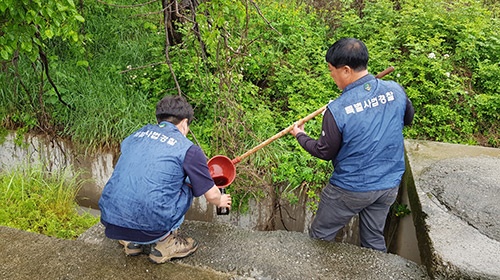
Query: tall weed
point(33, 200)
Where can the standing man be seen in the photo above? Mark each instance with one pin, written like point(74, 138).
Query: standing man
point(362, 136)
point(152, 186)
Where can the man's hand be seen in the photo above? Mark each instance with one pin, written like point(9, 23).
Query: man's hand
point(297, 129)
point(215, 197)
point(225, 201)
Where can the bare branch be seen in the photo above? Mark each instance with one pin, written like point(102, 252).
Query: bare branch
point(127, 6)
point(166, 18)
point(45, 64)
point(196, 31)
point(263, 17)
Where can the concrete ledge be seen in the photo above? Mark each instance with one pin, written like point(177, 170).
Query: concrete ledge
point(291, 255)
point(452, 245)
point(26, 256)
point(225, 252)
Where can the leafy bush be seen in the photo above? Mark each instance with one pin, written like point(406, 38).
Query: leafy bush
point(260, 73)
point(35, 201)
point(445, 57)
point(250, 69)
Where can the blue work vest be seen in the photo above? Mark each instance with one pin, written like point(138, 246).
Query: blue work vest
point(370, 116)
point(146, 190)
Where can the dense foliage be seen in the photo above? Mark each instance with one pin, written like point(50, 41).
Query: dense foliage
point(35, 200)
point(250, 69)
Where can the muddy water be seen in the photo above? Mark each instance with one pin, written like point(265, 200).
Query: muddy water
point(264, 214)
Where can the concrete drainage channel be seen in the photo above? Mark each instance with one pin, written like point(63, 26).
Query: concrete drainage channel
point(416, 237)
point(455, 205)
point(403, 240)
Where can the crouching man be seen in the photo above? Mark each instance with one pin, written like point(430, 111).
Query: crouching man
point(153, 184)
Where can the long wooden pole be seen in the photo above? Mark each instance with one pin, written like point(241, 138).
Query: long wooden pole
point(299, 122)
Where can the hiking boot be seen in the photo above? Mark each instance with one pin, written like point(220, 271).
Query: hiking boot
point(173, 246)
point(134, 249)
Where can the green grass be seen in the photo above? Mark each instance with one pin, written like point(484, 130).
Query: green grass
point(35, 200)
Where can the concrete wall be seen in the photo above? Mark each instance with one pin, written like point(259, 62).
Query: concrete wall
point(55, 154)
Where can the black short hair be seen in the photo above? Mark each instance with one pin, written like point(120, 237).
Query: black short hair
point(174, 108)
point(348, 51)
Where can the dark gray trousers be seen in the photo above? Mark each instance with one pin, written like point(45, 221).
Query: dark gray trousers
point(337, 206)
